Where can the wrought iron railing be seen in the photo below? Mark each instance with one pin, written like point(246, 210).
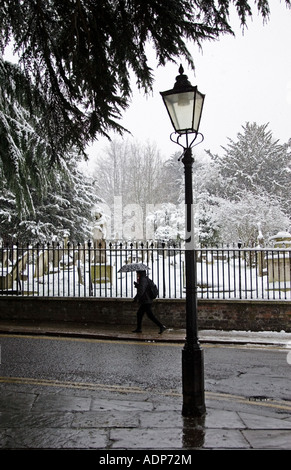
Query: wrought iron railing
point(87, 270)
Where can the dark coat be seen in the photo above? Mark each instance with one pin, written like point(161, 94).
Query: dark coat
point(142, 295)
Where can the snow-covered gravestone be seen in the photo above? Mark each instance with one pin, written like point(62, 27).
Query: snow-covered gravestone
point(100, 271)
point(42, 263)
point(279, 259)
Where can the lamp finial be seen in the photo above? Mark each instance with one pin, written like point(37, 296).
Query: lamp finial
point(181, 80)
point(181, 70)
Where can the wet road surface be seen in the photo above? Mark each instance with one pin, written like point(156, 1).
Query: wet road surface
point(247, 371)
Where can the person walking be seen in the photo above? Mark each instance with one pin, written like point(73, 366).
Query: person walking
point(145, 301)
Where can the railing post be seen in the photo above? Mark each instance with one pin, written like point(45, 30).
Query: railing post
point(89, 269)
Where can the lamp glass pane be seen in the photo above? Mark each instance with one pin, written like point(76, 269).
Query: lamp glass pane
point(198, 110)
point(180, 109)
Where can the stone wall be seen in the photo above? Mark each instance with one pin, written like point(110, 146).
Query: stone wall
point(212, 314)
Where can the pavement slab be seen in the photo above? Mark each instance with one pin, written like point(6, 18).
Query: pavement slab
point(268, 439)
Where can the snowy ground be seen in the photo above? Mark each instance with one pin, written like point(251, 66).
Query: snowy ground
point(257, 337)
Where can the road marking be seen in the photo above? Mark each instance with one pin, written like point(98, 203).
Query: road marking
point(269, 403)
point(67, 384)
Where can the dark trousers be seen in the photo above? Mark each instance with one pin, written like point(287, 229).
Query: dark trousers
point(146, 308)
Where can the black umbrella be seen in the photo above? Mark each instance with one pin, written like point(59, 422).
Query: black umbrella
point(128, 268)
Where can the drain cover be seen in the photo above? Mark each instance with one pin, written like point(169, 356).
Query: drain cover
point(259, 398)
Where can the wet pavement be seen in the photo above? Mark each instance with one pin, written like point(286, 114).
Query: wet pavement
point(46, 414)
point(124, 332)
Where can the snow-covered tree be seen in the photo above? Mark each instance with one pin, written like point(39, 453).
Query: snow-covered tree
point(242, 219)
point(257, 163)
point(130, 170)
point(24, 154)
point(38, 199)
point(168, 221)
point(209, 232)
point(172, 185)
point(64, 208)
point(248, 184)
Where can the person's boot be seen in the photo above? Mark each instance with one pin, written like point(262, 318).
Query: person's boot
point(138, 330)
point(162, 329)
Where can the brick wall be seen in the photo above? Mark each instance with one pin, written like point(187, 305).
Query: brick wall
point(212, 314)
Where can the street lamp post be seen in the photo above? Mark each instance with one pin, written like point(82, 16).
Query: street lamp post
point(184, 104)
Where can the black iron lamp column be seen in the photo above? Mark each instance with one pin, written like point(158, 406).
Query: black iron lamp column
point(184, 104)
